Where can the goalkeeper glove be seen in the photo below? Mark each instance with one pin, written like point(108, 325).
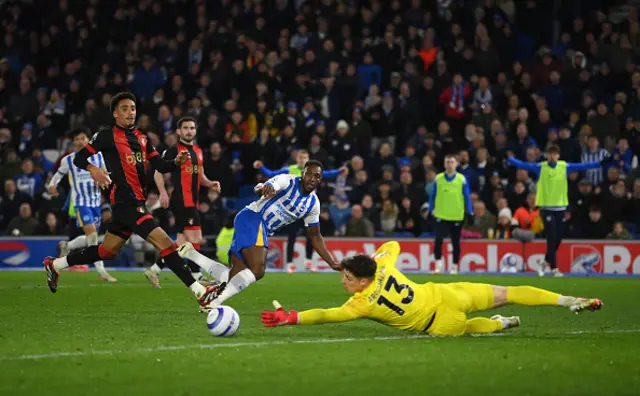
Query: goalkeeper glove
point(279, 317)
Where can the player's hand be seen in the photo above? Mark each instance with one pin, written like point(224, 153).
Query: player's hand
point(53, 191)
point(267, 191)
point(257, 164)
point(344, 171)
point(182, 157)
point(215, 186)
point(101, 177)
point(164, 200)
point(279, 317)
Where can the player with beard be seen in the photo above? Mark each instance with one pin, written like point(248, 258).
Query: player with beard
point(127, 153)
point(185, 199)
point(284, 200)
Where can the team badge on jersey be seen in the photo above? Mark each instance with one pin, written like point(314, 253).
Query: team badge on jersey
point(190, 221)
point(140, 209)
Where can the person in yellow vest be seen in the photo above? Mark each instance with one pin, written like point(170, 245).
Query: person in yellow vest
point(447, 203)
point(302, 156)
point(552, 197)
point(224, 240)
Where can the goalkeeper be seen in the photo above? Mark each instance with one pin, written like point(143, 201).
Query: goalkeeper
point(382, 293)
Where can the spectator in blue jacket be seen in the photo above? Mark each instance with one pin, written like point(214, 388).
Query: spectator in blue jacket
point(523, 140)
point(29, 182)
point(624, 159)
point(369, 73)
point(465, 168)
point(147, 79)
point(340, 212)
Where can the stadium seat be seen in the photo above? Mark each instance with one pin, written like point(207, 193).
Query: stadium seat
point(381, 234)
point(51, 154)
point(246, 191)
point(632, 227)
point(427, 235)
point(404, 235)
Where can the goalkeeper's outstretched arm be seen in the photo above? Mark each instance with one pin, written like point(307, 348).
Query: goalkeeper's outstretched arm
point(280, 317)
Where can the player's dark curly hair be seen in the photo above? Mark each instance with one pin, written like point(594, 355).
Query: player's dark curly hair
point(187, 119)
point(120, 96)
point(314, 163)
point(80, 130)
point(360, 265)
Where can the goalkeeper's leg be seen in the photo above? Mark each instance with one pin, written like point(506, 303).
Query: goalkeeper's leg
point(533, 296)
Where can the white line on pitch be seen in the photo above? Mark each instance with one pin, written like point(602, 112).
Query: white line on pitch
point(270, 343)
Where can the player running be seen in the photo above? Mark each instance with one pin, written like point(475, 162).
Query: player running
point(85, 198)
point(302, 156)
point(127, 153)
point(185, 199)
point(284, 199)
point(384, 294)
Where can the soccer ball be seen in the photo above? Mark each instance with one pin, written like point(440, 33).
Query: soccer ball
point(510, 263)
point(223, 321)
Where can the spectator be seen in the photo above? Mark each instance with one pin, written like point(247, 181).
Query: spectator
point(388, 217)
point(465, 168)
point(343, 148)
point(624, 158)
point(369, 72)
point(24, 224)
point(593, 153)
point(50, 227)
point(326, 224)
point(615, 202)
point(619, 232)
point(527, 214)
point(10, 203)
point(408, 217)
point(595, 226)
point(503, 227)
point(27, 142)
point(11, 165)
point(340, 211)
point(358, 225)
point(483, 221)
point(29, 182)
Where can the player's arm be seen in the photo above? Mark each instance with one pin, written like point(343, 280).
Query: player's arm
point(432, 199)
point(205, 182)
point(579, 167)
point(165, 166)
point(280, 317)
point(468, 203)
point(62, 171)
point(273, 185)
point(268, 172)
point(333, 173)
point(312, 221)
point(98, 143)
point(529, 167)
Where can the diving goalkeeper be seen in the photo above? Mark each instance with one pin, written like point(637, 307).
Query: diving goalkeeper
point(382, 293)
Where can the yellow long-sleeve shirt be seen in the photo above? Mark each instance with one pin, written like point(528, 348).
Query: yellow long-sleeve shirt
point(391, 299)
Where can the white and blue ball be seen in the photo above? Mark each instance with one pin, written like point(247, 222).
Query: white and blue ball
point(223, 321)
point(511, 263)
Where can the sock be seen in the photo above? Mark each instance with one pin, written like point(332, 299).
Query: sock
point(176, 264)
point(60, 263)
point(217, 270)
point(439, 264)
point(529, 295)
point(77, 243)
point(239, 282)
point(100, 267)
point(84, 256)
point(156, 268)
point(197, 289)
point(482, 325)
point(566, 301)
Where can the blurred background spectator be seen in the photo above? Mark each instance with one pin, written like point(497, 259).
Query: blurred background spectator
point(386, 88)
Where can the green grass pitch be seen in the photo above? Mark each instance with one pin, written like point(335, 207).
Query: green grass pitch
point(128, 338)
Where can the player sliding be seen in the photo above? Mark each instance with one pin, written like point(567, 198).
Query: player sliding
point(127, 153)
point(384, 294)
point(85, 197)
point(284, 199)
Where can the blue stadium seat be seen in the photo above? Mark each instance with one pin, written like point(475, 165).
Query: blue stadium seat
point(380, 234)
point(428, 235)
point(632, 227)
point(525, 47)
point(403, 235)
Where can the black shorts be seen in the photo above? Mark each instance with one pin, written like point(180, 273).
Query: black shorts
point(128, 218)
point(187, 218)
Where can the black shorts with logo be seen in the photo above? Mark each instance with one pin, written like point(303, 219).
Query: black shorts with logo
point(187, 218)
point(129, 218)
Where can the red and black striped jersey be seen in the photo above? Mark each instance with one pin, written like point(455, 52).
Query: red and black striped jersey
point(127, 153)
point(186, 182)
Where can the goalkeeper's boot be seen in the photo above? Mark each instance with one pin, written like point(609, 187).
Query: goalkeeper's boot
point(208, 299)
point(507, 322)
point(52, 274)
point(63, 248)
point(454, 269)
point(152, 277)
point(586, 304)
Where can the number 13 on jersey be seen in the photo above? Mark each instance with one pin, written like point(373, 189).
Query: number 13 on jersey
point(398, 289)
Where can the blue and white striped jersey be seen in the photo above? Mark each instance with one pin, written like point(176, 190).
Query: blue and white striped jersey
point(84, 191)
point(595, 176)
point(288, 205)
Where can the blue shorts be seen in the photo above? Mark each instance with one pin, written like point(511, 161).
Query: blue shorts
point(249, 230)
point(86, 215)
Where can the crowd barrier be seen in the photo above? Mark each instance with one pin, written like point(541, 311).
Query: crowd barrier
point(575, 256)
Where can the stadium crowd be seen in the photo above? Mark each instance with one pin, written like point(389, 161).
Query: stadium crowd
point(386, 88)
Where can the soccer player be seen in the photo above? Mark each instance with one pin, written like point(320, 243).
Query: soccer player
point(186, 194)
point(302, 156)
point(386, 295)
point(127, 153)
point(447, 204)
point(552, 197)
point(284, 200)
point(85, 198)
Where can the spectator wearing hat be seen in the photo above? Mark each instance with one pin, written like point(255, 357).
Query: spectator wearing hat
point(342, 147)
point(503, 227)
point(27, 142)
